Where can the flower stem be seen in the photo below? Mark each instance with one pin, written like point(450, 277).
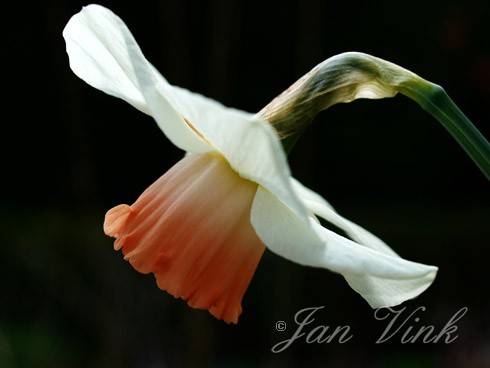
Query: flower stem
point(352, 75)
point(434, 99)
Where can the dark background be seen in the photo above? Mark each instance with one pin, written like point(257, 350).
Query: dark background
point(71, 152)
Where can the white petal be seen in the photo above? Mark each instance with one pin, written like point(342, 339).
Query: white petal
point(283, 233)
point(249, 143)
point(104, 54)
point(319, 206)
point(382, 279)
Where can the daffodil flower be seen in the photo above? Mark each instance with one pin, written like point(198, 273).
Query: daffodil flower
point(203, 226)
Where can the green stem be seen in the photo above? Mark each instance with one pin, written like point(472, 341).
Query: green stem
point(434, 99)
point(352, 75)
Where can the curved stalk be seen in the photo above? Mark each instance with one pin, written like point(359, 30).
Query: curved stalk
point(352, 75)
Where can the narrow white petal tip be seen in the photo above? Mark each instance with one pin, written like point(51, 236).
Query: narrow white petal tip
point(103, 53)
point(395, 292)
point(373, 270)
